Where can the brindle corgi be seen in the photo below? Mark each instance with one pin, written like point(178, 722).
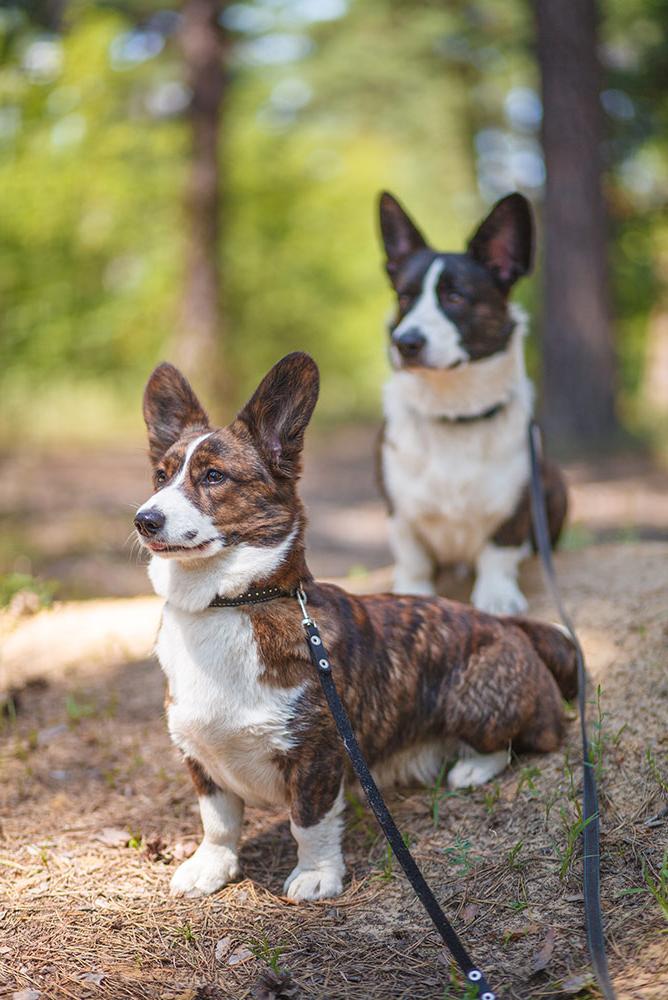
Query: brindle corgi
point(421, 677)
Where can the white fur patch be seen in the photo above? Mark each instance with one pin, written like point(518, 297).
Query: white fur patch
point(221, 713)
point(320, 867)
point(418, 765)
point(451, 486)
point(496, 589)
point(182, 517)
point(477, 768)
point(215, 862)
point(443, 347)
point(191, 584)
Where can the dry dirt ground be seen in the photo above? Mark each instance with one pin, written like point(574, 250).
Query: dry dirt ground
point(96, 809)
point(66, 514)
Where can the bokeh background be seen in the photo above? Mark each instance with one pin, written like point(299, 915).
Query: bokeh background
point(198, 181)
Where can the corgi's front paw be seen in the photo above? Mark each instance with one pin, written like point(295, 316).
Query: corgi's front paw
point(498, 595)
point(314, 883)
point(210, 868)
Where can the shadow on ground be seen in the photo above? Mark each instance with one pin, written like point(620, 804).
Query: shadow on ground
point(85, 910)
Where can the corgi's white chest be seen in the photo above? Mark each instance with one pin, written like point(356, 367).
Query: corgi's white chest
point(456, 484)
point(220, 712)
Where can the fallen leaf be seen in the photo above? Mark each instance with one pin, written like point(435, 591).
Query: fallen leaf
point(183, 849)
point(276, 986)
point(470, 912)
point(92, 977)
point(46, 736)
point(514, 933)
point(577, 983)
point(113, 836)
point(542, 957)
point(155, 850)
point(222, 948)
point(239, 955)
point(27, 995)
point(40, 889)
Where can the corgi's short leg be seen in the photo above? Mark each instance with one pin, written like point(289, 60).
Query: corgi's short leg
point(316, 822)
point(215, 862)
point(474, 768)
point(414, 568)
point(496, 589)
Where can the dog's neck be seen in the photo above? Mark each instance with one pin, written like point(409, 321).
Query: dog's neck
point(191, 585)
point(469, 389)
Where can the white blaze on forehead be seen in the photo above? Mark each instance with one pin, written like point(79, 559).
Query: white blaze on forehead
point(181, 515)
point(190, 450)
point(443, 346)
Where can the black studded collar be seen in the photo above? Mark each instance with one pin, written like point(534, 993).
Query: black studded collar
point(256, 595)
point(472, 418)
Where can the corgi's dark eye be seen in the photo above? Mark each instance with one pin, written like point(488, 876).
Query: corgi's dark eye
point(214, 476)
point(161, 476)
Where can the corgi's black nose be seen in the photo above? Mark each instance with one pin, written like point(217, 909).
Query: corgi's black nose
point(149, 522)
point(410, 343)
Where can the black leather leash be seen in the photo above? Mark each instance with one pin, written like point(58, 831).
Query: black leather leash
point(321, 662)
point(590, 813)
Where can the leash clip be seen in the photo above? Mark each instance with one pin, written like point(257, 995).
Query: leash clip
point(300, 594)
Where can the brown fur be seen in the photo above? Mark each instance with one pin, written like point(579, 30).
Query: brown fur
point(519, 528)
point(204, 785)
point(409, 669)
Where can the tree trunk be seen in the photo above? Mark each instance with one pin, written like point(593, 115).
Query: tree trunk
point(579, 370)
point(198, 343)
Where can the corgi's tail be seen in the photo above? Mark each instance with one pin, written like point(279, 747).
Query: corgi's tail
point(555, 648)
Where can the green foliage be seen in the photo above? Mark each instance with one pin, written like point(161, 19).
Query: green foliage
point(407, 96)
point(16, 583)
point(89, 215)
point(270, 955)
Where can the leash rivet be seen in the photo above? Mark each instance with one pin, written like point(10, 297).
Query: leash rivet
point(324, 664)
point(315, 639)
point(475, 975)
point(488, 996)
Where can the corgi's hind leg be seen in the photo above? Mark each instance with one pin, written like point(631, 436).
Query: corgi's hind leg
point(475, 768)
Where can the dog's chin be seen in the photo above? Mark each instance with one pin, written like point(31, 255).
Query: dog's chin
point(425, 365)
point(424, 362)
point(184, 553)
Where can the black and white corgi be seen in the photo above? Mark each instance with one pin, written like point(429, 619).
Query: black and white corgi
point(454, 460)
point(419, 676)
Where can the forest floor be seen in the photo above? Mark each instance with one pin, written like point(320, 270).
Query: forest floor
point(96, 809)
point(66, 513)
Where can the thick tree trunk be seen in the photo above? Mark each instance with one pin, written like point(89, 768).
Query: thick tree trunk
point(198, 343)
point(579, 371)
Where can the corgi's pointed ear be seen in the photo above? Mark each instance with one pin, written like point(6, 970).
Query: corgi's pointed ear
point(170, 407)
point(503, 242)
point(279, 410)
point(401, 237)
